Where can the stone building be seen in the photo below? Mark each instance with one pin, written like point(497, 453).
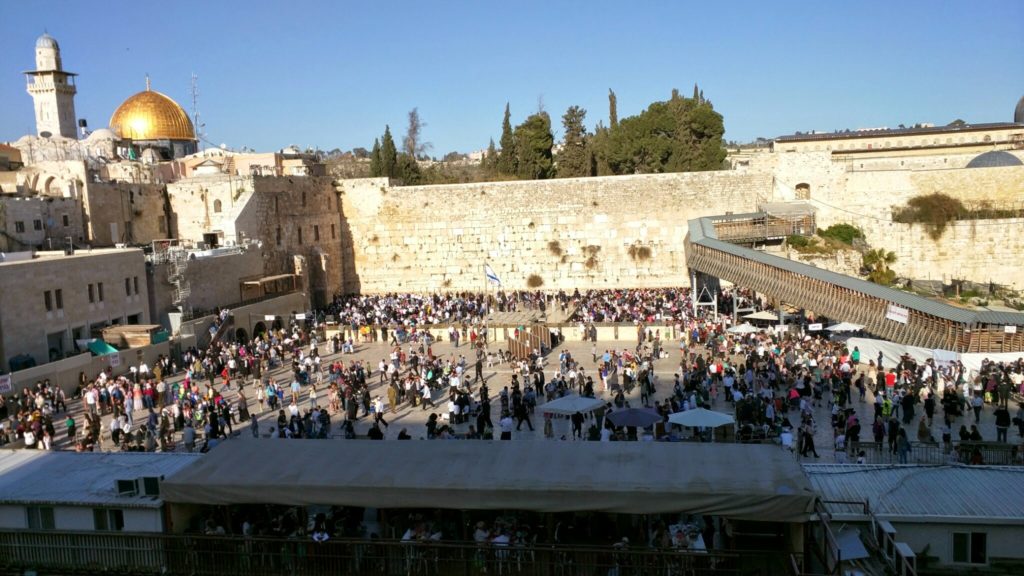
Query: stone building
point(39, 222)
point(52, 300)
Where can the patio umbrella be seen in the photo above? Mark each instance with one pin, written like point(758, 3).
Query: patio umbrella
point(571, 404)
point(763, 315)
point(844, 327)
point(639, 417)
point(745, 328)
point(699, 417)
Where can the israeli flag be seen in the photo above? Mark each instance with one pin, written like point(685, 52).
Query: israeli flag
point(491, 276)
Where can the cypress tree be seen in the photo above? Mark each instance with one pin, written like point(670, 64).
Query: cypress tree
point(507, 157)
point(613, 109)
point(388, 155)
point(376, 169)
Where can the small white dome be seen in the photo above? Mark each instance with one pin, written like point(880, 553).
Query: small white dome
point(102, 134)
point(47, 41)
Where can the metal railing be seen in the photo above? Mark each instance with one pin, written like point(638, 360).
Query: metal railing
point(135, 553)
point(991, 453)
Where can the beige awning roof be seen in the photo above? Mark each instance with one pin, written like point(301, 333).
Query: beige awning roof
point(616, 477)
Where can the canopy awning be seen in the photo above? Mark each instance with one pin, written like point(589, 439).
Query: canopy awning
point(101, 348)
point(614, 477)
point(763, 315)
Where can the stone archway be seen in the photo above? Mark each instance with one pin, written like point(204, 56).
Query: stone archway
point(803, 191)
point(241, 336)
point(259, 329)
point(278, 324)
point(48, 185)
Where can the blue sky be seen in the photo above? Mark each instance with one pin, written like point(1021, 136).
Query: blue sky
point(332, 74)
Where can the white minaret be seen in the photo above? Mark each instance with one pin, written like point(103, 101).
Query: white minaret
point(53, 91)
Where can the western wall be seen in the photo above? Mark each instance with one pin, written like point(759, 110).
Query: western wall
point(629, 230)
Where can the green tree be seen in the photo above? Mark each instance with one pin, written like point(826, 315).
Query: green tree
point(533, 142)
point(408, 170)
point(613, 109)
point(388, 155)
point(487, 163)
point(875, 264)
point(679, 135)
point(376, 164)
point(574, 158)
point(507, 158)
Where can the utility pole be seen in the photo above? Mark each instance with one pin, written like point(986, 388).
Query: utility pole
point(194, 91)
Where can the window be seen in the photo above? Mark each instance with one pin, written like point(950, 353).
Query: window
point(48, 300)
point(127, 286)
point(303, 197)
point(316, 232)
point(65, 220)
point(40, 517)
point(970, 547)
point(163, 224)
point(277, 207)
point(99, 290)
point(37, 224)
point(135, 282)
point(92, 294)
point(218, 205)
point(300, 235)
point(278, 235)
point(105, 520)
point(60, 299)
point(19, 226)
point(332, 231)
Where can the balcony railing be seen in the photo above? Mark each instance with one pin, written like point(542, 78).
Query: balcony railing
point(119, 553)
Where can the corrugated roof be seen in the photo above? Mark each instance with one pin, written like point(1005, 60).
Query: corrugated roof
point(924, 493)
point(82, 479)
point(702, 231)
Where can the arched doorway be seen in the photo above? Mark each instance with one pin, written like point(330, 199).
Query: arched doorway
point(278, 324)
point(241, 336)
point(259, 329)
point(803, 191)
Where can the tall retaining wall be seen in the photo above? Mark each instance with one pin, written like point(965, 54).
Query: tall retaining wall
point(570, 233)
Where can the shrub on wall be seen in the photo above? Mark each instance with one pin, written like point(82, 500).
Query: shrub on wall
point(935, 211)
point(534, 281)
point(845, 233)
point(555, 247)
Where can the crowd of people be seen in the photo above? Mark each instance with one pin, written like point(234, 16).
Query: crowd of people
point(774, 382)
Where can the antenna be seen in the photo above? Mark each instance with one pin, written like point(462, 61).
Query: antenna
point(195, 108)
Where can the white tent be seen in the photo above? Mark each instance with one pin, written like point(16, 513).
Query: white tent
point(744, 328)
point(699, 417)
point(571, 404)
point(763, 315)
point(844, 327)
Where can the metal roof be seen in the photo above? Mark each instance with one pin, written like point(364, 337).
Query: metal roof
point(702, 231)
point(896, 132)
point(82, 479)
point(954, 493)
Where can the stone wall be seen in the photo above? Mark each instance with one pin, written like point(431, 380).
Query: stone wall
point(118, 212)
point(569, 233)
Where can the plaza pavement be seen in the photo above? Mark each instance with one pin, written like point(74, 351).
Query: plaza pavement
point(414, 419)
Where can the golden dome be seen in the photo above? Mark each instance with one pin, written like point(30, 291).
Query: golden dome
point(150, 115)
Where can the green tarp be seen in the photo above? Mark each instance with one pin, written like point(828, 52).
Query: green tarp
point(101, 348)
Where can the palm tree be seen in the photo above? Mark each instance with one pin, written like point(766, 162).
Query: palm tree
point(875, 263)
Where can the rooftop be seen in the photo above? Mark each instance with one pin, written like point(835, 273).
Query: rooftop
point(21, 258)
point(82, 479)
point(955, 493)
point(852, 134)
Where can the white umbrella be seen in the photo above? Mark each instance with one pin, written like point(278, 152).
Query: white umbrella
point(571, 404)
point(844, 327)
point(744, 328)
point(699, 417)
point(762, 315)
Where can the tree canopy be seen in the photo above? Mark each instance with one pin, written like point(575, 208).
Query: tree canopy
point(533, 142)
